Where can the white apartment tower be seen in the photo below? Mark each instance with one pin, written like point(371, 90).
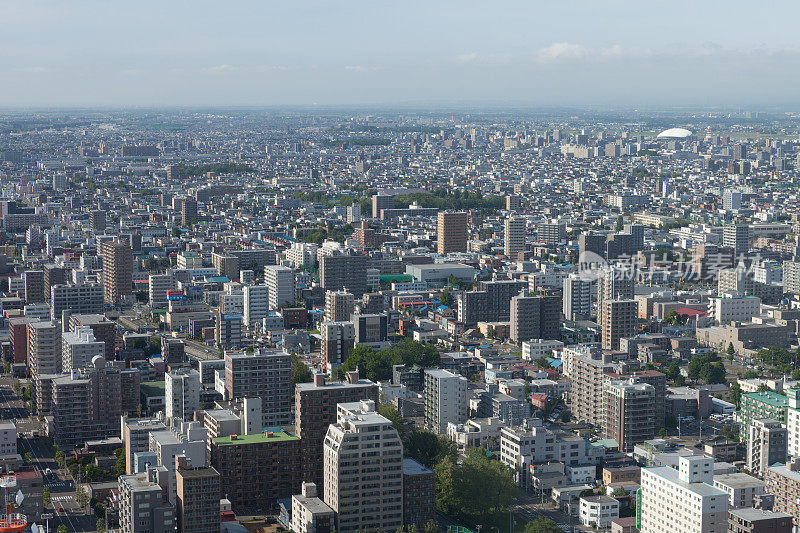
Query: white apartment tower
point(363, 470)
point(79, 347)
point(280, 281)
point(683, 500)
point(256, 304)
point(182, 394)
point(445, 399)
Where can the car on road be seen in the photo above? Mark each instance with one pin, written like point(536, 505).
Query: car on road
point(60, 508)
point(48, 472)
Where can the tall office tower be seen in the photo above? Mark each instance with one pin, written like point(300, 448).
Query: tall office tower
point(737, 237)
point(256, 304)
point(629, 412)
point(535, 317)
point(33, 281)
point(79, 348)
point(44, 348)
point(614, 283)
point(181, 394)
point(682, 500)
point(366, 493)
point(731, 200)
point(315, 406)
point(264, 375)
point(636, 231)
point(739, 151)
point(381, 202)
point(513, 203)
point(618, 321)
point(136, 437)
point(451, 233)
point(344, 272)
point(338, 339)
point(577, 297)
point(159, 285)
point(81, 298)
point(767, 444)
point(97, 220)
point(339, 306)
point(142, 508)
point(117, 271)
point(515, 236)
point(228, 330)
point(281, 284)
point(445, 397)
point(197, 498)
point(188, 212)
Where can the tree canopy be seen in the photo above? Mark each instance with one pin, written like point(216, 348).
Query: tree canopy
point(299, 371)
point(429, 448)
point(476, 490)
point(377, 364)
point(542, 525)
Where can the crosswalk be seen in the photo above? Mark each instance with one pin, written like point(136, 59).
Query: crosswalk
point(55, 484)
point(61, 498)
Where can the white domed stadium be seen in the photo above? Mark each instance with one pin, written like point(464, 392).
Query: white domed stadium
point(675, 133)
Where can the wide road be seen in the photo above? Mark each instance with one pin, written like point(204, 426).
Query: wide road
point(62, 490)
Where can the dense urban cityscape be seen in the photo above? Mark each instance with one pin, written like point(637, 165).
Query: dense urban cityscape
point(343, 321)
point(399, 267)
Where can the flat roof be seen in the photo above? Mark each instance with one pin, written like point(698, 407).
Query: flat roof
point(738, 480)
point(753, 515)
point(413, 468)
point(769, 397)
point(256, 438)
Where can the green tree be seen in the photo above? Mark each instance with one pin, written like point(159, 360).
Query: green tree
point(60, 460)
point(299, 371)
point(446, 298)
point(390, 411)
point(735, 394)
point(62, 529)
point(431, 527)
point(100, 525)
point(80, 495)
point(46, 497)
point(542, 525)
point(429, 448)
point(477, 489)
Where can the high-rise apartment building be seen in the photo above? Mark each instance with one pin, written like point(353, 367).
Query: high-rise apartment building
point(514, 236)
point(783, 481)
point(381, 202)
point(228, 330)
point(419, 494)
point(315, 409)
point(181, 393)
point(33, 281)
point(158, 286)
point(198, 495)
point(344, 272)
point(452, 232)
point(281, 284)
point(256, 304)
point(445, 397)
point(682, 500)
point(117, 271)
point(338, 339)
point(79, 348)
point(44, 348)
point(81, 298)
point(737, 237)
point(629, 412)
point(264, 375)
point(577, 297)
point(142, 508)
point(365, 491)
point(618, 321)
point(339, 306)
point(535, 317)
point(766, 445)
point(188, 212)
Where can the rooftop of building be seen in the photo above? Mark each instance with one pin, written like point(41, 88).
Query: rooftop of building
point(769, 397)
point(205, 471)
point(754, 515)
point(414, 468)
point(256, 438)
point(738, 480)
point(671, 475)
point(314, 505)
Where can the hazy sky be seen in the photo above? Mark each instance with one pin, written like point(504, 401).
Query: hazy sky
point(239, 52)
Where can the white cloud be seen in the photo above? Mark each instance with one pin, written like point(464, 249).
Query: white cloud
point(563, 51)
point(220, 69)
point(361, 68)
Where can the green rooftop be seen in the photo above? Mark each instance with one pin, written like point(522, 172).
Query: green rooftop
point(769, 397)
point(256, 438)
point(152, 388)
